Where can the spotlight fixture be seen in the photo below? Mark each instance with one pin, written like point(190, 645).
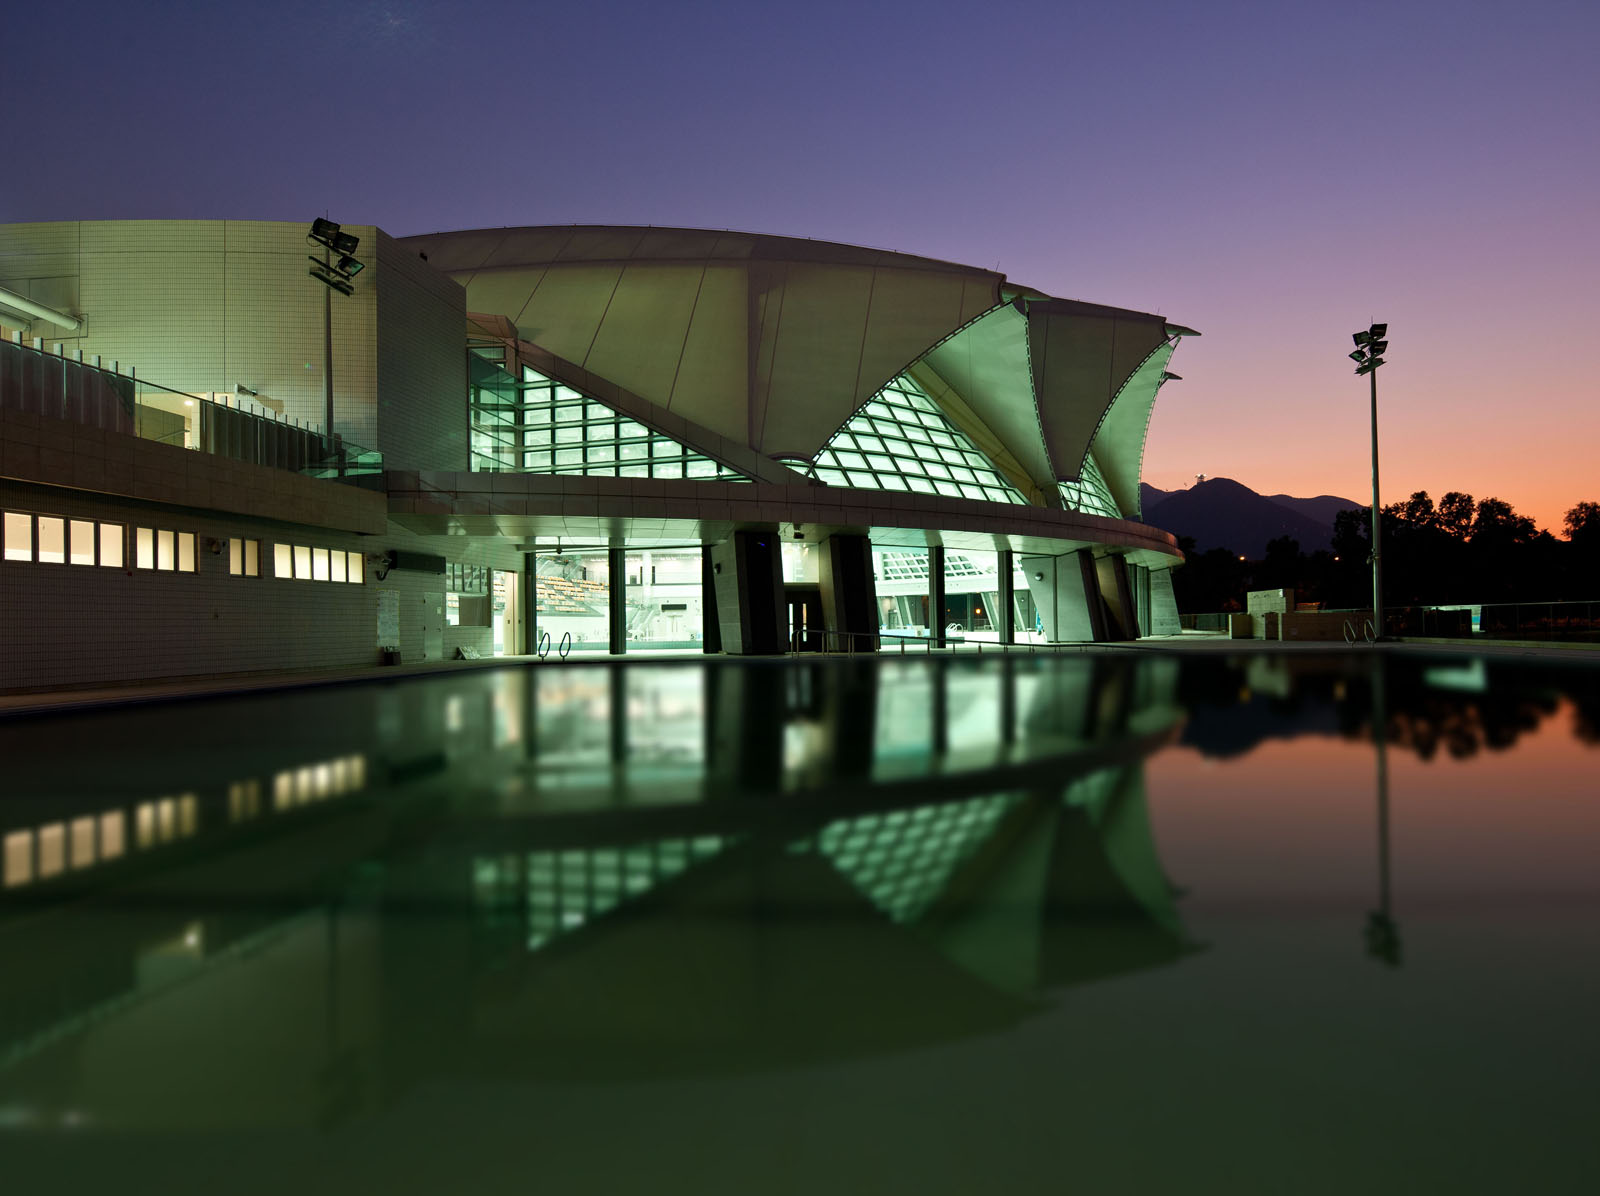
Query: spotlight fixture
point(349, 266)
point(1361, 338)
point(1379, 331)
point(324, 231)
point(1379, 348)
point(344, 243)
point(1358, 355)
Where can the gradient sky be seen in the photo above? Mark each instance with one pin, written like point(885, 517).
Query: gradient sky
point(1275, 175)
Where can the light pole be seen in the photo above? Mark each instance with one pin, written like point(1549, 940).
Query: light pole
point(1370, 348)
point(336, 276)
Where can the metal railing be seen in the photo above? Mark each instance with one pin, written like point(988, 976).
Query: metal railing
point(83, 392)
point(852, 641)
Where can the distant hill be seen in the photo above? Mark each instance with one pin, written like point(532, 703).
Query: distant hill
point(1222, 513)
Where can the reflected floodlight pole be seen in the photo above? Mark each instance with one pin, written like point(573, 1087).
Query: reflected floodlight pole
point(1383, 932)
point(1368, 356)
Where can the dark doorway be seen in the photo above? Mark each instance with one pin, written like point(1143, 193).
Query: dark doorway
point(805, 618)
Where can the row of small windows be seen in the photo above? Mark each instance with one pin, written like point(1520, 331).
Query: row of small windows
point(57, 540)
point(304, 563)
point(1090, 493)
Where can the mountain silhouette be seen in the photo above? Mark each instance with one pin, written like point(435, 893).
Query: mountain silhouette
point(1223, 513)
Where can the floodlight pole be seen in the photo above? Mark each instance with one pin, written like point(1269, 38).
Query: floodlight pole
point(327, 369)
point(1378, 557)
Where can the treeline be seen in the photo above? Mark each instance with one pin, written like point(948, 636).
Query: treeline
point(1458, 551)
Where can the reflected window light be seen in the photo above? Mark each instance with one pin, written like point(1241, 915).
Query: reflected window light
point(82, 842)
point(113, 830)
point(166, 818)
point(52, 849)
point(18, 858)
point(144, 824)
point(323, 780)
point(358, 771)
point(338, 773)
point(303, 777)
point(282, 791)
point(188, 814)
point(452, 713)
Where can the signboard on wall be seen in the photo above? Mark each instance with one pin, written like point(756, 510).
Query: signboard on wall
point(389, 619)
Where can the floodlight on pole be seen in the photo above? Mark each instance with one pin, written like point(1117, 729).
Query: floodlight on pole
point(324, 231)
point(344, 243)
point(1370, 345)
point(336, 275)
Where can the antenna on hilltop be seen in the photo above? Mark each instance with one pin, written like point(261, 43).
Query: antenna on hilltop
point(1198, 478)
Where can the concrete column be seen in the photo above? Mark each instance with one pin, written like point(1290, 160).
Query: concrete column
point(1164, 618)
point(936, 595)
point(710, 629)
point(1066, 590)
point(751, 611)
point(529, 596)
point(617, 560)
point(849, 593)
point(1111, 576)
point(1007, 567)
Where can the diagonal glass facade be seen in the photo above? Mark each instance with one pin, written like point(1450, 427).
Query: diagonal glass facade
point(902, 860)
point(539, 425)
point(1089, 493)
point(901, 441)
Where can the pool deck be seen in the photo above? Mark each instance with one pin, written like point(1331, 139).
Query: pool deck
point(38, 702)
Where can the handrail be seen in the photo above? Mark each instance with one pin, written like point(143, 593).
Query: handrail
point(542, 648)
point(566, 645)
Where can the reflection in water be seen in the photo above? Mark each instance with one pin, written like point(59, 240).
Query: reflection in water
point(331, 903)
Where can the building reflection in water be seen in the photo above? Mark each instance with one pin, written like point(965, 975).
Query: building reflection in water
point(612, 870)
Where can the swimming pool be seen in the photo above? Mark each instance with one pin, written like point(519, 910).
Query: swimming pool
point(1117, 921)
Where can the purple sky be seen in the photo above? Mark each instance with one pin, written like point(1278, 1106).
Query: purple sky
point(1275, 175)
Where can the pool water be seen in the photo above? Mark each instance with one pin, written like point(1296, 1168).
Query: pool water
point(1119, 922)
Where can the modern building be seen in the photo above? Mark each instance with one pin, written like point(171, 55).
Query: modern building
point(218, 457)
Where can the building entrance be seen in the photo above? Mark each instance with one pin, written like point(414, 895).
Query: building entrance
point(805, 618)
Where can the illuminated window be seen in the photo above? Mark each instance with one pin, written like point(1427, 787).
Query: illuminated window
point(144, 548)
point(18, 858)
point(82, 539)
point(319, 564)
point(112, 834)
point(302, 562)
point(282, 560)
point(544, 426)
point(164, 549)
point(82, 839)
point(52, 540)
point(357, 567)
point(336, 564)
point(901, 440)
point(19, 536)
point(185, 552)
point(52, 849)
point(111, 545)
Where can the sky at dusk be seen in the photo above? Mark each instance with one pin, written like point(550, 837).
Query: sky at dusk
point(1275, 175)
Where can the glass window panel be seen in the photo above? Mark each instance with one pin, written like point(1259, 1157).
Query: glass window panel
point(302, 561)
point(921, 485)
point(633, 471)
point(598, 411)
point(319, 564)
point(356, 568)
point(863, 481)
point(52, 540)
point(144, 548)
point(633, 452)
point(82, 542)
point(702, 467)
point(252, 558)
point(570, 434)
point(336, 565)
point(629, 430)
point(851, 460)
point(538, 461)
point(282, 560)
point(667, 469)
point(185, 552)
point(572, 456)
point(164, 549)
point(601, 454)
point(19, 536)
point(235, 557)
point(111, 545)
point(569, 413)
point(936, 469)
